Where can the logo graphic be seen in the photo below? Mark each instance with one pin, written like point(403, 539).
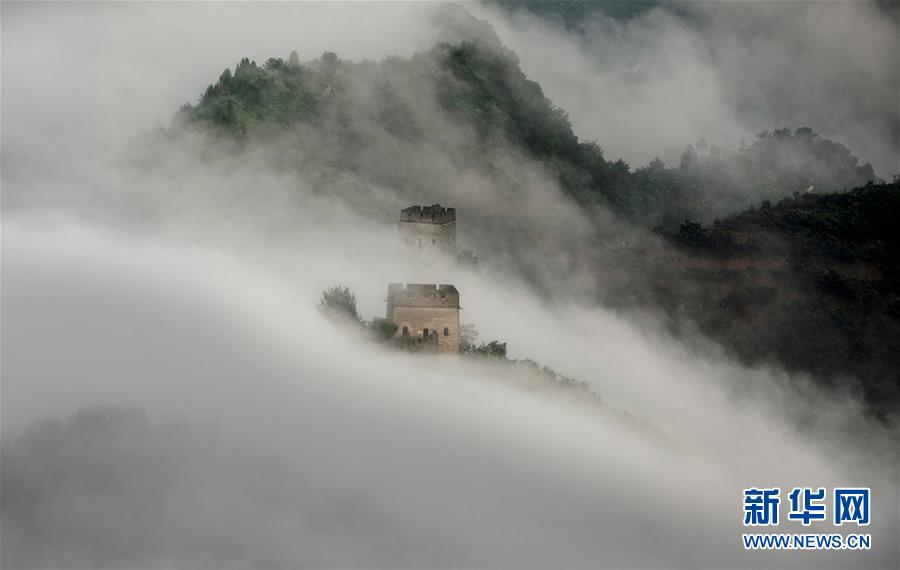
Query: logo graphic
point(761, 506)
point(807, 505)
point(851, 505)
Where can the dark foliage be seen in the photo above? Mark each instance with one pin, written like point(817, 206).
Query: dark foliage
point(811, 282)
point(383, 329)
point(805, 276)
point(574, 14)
point(339, 303)
point(479, 82)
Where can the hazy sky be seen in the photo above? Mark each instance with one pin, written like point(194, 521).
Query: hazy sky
point(642, 88)
point(723, 71)
point(193, 290)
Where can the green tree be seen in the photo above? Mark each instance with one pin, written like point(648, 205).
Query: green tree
point(383, 329)
point(330, 61)
point(339, 303)
point(494, 349)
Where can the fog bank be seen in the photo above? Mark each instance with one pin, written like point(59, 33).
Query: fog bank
point(186, 287)
point(721, 71)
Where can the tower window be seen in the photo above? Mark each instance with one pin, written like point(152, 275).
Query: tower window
point(446, 331)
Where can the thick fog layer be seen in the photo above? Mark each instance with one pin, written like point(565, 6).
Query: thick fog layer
point(720, 71)
point(279, 439)
point(388, 459)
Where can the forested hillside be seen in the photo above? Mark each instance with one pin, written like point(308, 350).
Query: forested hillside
point(479, 84)
point(761, 247)
point(811, 282)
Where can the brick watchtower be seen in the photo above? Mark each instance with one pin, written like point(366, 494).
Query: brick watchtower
point(431, 229)
point(425, 310)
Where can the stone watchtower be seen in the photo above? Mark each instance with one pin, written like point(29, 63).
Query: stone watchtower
point(425, 311)
point(431, 229)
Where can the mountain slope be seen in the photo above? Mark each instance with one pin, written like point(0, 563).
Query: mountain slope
point(809, 283)
point(478, 85)
point(812, 282)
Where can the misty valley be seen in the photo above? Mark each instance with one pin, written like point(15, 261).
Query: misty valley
point(491, 285)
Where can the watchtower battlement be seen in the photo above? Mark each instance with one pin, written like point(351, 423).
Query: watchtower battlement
point(426, 310)
point(430, 229)
point(422, 295)
point(434, 214)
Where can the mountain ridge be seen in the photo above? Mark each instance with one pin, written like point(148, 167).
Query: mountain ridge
point(470, 101)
